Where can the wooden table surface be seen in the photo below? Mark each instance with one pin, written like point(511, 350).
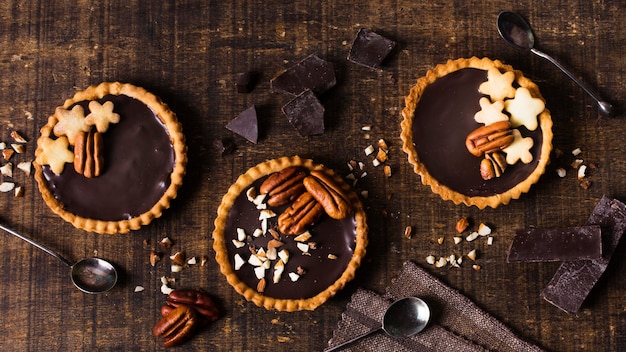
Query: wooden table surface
point(189, 54)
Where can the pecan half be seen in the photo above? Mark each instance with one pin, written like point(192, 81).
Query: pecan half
point(328, 194)
point(302, 213)
point(493, 165)
point(177, 326)
point(283, 186)
point(197, 300)
point(88, 154)
point(489, 138)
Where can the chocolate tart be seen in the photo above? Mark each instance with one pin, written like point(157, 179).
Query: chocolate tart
point(439, 116)
point(336, 246)
point(144, 156)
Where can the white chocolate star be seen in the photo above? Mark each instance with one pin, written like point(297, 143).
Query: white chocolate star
point(524, 109)
point(70, 122)
point(499, 86)
point(101, 115)
point(490, 112)
point(519, 149)
point(55, 152)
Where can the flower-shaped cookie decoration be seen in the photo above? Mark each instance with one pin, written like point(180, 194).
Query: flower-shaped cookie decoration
point(524, 109)
point(490, 112)
point(70, 123)
point(55, 153)
point(499, 86)
point(519, 149)
point(101, 115)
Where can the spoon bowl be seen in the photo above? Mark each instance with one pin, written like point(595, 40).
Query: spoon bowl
point(517, 32)
point(90, 275)
point(403, 318)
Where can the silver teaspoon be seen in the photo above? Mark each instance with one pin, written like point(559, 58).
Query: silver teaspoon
point(517, 32)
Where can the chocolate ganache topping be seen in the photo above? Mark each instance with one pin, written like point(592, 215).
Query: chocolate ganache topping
point(443, 118)
point(139, 159)
point(334, 237)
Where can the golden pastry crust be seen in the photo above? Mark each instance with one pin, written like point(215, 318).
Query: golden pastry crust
point(411, 102)
point(220, 242)
point(174, 130)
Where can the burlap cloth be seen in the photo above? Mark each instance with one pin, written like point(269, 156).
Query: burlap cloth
point(456, 324)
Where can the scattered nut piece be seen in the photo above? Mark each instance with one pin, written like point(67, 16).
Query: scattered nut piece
point(462, 224)
point(484, 230)
point(238, 244)
point(18, 192)
point(7, 186)
point(387, 171)
point(476, 267)
point(576, 151)
point(365, 194)
point(366, 128)
point(585, 184)
point(303, 237)
point(581, 172)
point(165, 242)
point(294, 277)
point(155, 257)
point(192, 261)
point(19, 148)
point(165, 289)
point(3, 145)
point(430, 260)
point(178, 258)
point(304, 247)
point(440, 240)
point(139, 288)
point(576, 163)
point(375, 162)
point(7, 153)
point(259, 272)
point(251, 194)
point(489, 241)
point(472, 236)
point(284, 256)
point(176, 268)
point(472, 254)
point(383, 145)
point(7, 170)
point(441, 262)
point(457, 239)
point(17, 137)
point(381, 155)
point(25, 166)
point(369, 150)
point(260, 287)
point(332, 256)
point(561, 172)
point(239, 262)
point(255, 260)
point(408, 232)
point(204, 260)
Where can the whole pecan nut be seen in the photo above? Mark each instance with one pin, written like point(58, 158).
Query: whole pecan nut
point(302, 213)
point(89, 154)
point(284, 186)
point(195, 299)
point(177, 326)
point(332, 198)
point(489, 138)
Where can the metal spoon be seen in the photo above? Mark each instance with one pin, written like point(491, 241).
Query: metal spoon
point(405, 317)
point(516, 31)
point(90, 275)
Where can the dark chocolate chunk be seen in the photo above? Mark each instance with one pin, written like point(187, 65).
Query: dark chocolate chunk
point(224, 146)
point(574, 280)
point(311, 73)
point(370, 49)
point(245, 82)
point(551, 245)
point(306, 114)
point(246, 125)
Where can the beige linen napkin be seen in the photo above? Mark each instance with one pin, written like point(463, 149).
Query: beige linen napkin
point(457, 324)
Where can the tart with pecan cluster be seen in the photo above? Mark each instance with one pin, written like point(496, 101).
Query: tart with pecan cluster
point(477, 132)
point(111, 158)
point(289, 234)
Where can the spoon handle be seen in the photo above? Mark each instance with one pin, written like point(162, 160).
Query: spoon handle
point(605, 108)
point(346, 343)
point(38, 245)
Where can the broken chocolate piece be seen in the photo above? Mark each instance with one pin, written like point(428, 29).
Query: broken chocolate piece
point(370, 49)
point(224, 146)
point(574, 280)
point(311, 73)
point(306, 114)
point(246, 125)
point(245, 82)
point(551, 245)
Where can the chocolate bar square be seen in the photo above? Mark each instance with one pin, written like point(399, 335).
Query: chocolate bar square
point(551, 245)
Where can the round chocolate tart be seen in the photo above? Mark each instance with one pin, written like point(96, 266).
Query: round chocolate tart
point(290, 246)
point(477, 132)
point(110, 159)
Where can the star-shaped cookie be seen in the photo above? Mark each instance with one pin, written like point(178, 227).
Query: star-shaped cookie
point(70, 122)
point(524, 109)
point(490, 112)
point(101, 115)
point(519, 149)
point(55, 152)
point(499, 86)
